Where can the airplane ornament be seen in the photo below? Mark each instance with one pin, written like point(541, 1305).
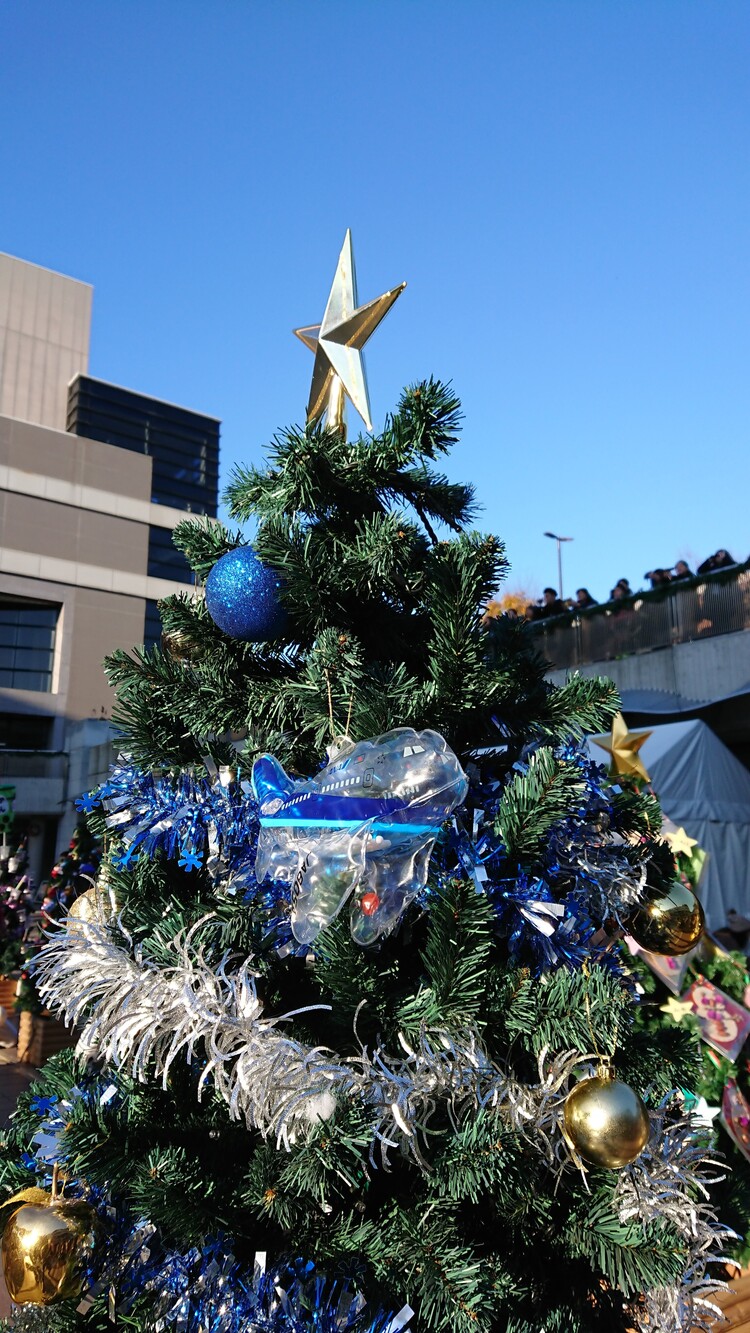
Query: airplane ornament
point(362, 830)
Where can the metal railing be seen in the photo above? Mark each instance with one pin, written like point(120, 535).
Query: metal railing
point(33, 764)
point(700, 609)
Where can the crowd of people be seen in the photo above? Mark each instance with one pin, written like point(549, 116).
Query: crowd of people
point(551, 605)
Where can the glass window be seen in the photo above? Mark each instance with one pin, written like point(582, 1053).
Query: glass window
point(152, 626)
point(25, 731)
point(183, 444)
point(27, 643)
point(164, 560)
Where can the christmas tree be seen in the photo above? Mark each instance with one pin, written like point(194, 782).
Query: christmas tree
point(349, 1005)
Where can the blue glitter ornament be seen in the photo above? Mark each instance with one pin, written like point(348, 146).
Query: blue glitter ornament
point(243, 599)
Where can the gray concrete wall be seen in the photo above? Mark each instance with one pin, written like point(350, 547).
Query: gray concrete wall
point(74, 526)
point(704, 670)
point(68, 533)
point(58, 456)
point(45, 323)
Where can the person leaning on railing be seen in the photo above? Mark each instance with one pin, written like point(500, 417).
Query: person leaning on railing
point(551, 605)
point(583, 600)
point(621, 589)
point(720, 560)
point(682, 570)
point(659, 577)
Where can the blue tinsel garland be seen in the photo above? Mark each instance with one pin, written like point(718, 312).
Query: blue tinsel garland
point(548, 921)
point(198, 819)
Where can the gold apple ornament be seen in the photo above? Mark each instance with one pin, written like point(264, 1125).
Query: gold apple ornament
point(604, 1120)
point(179, 647)
point(45, 1245)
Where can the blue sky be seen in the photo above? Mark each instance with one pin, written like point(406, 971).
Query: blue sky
point(563, 184)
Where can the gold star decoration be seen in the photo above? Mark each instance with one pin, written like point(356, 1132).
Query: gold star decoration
point(623, 747)
point(337, 343)
point(676, 1009)
point(678, 839)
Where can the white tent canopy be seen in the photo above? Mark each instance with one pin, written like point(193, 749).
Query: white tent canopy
point(704, 789)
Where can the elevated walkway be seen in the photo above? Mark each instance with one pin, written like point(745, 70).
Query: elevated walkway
point(676, 652)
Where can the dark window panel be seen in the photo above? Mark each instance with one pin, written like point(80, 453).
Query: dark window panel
point(152, 626)
point(25, 680)
point(25, 659)
point(23, 731)
point(164, 560)
point(29, 614)
point(27, 643)
point(184, 445)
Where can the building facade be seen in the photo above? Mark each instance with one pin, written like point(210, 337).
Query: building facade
point(93, 479)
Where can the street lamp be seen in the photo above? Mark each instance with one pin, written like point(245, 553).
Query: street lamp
point(559, 541)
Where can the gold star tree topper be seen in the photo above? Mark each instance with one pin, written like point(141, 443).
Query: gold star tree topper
point(623, 747)
point(338, 341)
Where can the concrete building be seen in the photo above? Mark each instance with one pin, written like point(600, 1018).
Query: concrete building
point(93, 478)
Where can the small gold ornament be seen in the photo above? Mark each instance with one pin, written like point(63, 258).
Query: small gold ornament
point(605, 1121)
point(177, 645)
point(44, 1249)
point(668, 923)
point(90, 908)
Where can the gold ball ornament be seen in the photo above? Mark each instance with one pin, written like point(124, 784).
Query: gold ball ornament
point(605, 1121)
point(668, 923)
point(89, 908)
point(44, 1250)
point(176, 644)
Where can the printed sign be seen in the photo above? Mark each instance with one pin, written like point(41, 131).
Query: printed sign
point(724, 1024)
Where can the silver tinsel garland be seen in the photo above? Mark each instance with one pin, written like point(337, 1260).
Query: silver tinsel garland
point(668, 1181)
point(140, 1016)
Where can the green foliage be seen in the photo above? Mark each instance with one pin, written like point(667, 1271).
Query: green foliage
point(455, 957)
point(483, 1160)
point(728, 971)
point(316, 473)
point(354, 977)
point(636, 811)
point(452, 1286)
point(672, 1054)
point(661, 1059)
point(630, 1256)
point(11, 956)
point(203, 542)
point(584, 704)
point(386, 616)
point(587, 1012)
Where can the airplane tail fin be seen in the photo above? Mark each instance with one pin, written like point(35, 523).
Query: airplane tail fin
point(269, 780)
